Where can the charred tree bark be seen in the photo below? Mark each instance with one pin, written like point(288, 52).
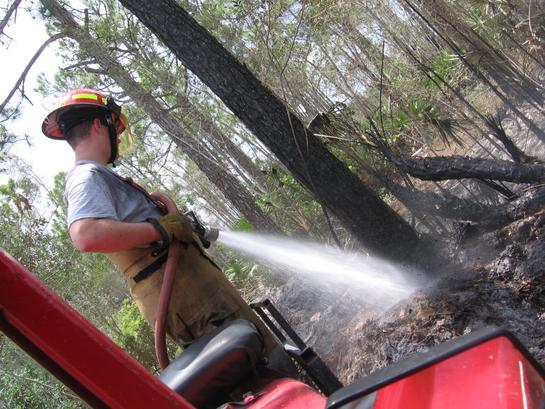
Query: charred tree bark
point(443, 205)
point(198, 153)
point(376, 225)
point(515, 210)
point(460, 167)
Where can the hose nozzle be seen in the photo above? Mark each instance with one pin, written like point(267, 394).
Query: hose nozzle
point(205, 233)
point(211, 233)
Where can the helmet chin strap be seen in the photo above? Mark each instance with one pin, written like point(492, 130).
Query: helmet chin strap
point(113, 139)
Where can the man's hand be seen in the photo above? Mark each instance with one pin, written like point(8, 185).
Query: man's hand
point(173, 226)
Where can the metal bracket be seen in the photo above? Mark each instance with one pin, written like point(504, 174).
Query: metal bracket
point(318, 371)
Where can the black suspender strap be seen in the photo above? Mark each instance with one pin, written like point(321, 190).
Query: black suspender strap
point(151, 268)
point(147, 271)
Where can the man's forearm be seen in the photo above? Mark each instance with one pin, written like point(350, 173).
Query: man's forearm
point(108, 236)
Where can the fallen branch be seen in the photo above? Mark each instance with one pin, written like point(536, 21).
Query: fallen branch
point(462, 167)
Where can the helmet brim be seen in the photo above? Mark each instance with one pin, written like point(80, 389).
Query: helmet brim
point(51, 127)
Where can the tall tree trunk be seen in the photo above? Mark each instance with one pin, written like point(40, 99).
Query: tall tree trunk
point(198, 153)
point(376, 225)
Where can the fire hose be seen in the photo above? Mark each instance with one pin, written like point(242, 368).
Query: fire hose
point(174, 253)
point(207, 235)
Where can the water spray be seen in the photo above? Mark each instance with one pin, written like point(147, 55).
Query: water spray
point(378, 278)
point(371, 277)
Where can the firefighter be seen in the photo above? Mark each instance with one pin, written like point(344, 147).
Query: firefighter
point(112, 215)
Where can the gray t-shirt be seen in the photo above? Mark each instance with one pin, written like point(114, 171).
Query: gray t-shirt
point(94, 191)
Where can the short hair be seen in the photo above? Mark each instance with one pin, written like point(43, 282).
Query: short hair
point(76, 123)
point(78, 133)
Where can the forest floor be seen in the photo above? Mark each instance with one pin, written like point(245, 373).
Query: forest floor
point(497, 279)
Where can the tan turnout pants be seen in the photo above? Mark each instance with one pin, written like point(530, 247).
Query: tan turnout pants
point(202, 296)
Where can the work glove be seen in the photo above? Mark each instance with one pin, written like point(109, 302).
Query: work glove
point(173, 226)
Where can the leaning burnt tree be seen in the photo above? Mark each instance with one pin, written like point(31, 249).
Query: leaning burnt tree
point(520, 168)
point(358, 208)
point(490, 199)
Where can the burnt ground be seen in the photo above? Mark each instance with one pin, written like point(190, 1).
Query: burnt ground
point(498, 279)
point(507, 290)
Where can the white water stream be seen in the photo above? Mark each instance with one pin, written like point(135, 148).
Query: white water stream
point(381, 281)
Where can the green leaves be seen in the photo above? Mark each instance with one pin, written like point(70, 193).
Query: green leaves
point(24, 384)
point(131, 323)
point(445, 65)
point(243, 224)
point(132, 333)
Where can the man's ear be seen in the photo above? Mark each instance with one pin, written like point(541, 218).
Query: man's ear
point(97, 124)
